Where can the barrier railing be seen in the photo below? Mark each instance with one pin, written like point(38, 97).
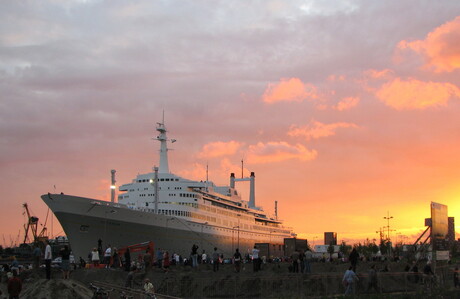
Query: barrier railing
point(301, 285)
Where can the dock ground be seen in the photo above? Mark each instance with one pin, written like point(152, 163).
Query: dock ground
point(273, 281)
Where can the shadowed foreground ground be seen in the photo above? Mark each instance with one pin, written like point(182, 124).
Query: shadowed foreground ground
point(273, 281)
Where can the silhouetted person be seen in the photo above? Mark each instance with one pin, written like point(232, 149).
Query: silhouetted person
point(354, 256)
point(127, 259)
point(14, 286)
point(48, 257)
point(255, 259)
point(194, 255)
point(373, 283)
point(237, 260)
point(349, 280)
point(215, 260)
point(99, 246)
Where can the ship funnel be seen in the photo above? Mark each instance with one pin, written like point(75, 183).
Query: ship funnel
point(252, 196)
point(112, 186)
point(232, 180)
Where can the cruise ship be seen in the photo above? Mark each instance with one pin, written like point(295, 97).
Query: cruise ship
point(173, 212)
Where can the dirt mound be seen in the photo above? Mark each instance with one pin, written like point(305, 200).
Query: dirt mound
point(56, 288)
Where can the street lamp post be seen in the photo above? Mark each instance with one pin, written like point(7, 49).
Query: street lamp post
point(201, 239)
point(388, 230)
point(238, 242)
point(105, 224)
point(388, 224)
point(233, 233)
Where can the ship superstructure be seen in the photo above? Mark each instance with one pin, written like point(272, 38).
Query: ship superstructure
point(171, 211)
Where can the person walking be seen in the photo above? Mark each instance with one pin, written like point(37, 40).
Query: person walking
point(215, 260)
point(354, 256)
point(307, 261)
point(127, 257)
point(237, 260)
point(204, 258)
point(115, 258)
point(48, 257)
point(349, 280)
point(129, 283)
point(373, 282)
point(95, 257)
point(255, 259)
point(37, 254)
point(159, 256)
point(148, 288)
point(194, 256)
point(14, 286)
point(107, 256)
point(147, 259)
point(65, 262)
point(166, 261)
point(295, 261)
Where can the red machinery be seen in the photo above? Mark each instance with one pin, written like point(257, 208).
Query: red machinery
point(141, 247)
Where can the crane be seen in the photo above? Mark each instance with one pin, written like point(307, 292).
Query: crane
point(32, 226)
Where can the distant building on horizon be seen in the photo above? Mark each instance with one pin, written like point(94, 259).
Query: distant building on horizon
point(330, 238)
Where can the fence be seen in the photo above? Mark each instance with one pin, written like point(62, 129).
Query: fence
point(251, 285)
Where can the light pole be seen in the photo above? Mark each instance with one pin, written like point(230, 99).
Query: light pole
point(105, 224)
point(388, 224)
point(233, 233)
point(238, 242)
point(388, 231)
point(201, 237)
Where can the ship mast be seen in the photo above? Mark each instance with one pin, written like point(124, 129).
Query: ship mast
point(164, 166)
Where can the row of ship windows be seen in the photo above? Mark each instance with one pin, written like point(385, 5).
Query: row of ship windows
point(170, 194)
point(159, 188)
point(177, 203)
point(161, 180)
point(175, 213)
point(208, 218)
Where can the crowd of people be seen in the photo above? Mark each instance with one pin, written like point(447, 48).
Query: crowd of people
point(300, 262)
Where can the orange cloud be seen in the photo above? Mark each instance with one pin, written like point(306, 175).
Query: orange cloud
point(440, 48)
point(289, 90)
point(227, 167)
point(219, 149)
point(378, 74)
point(347, 103)
point(336, 78)
point(415, 94)
point(278, 151)
point(317, 129)
point(196, 172)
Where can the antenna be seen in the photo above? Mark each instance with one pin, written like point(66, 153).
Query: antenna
point(242, 168)
point(276, 209)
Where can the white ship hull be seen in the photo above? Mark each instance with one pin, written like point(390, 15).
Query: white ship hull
point(86, 220)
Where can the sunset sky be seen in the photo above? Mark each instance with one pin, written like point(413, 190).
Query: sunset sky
point(345, 110)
